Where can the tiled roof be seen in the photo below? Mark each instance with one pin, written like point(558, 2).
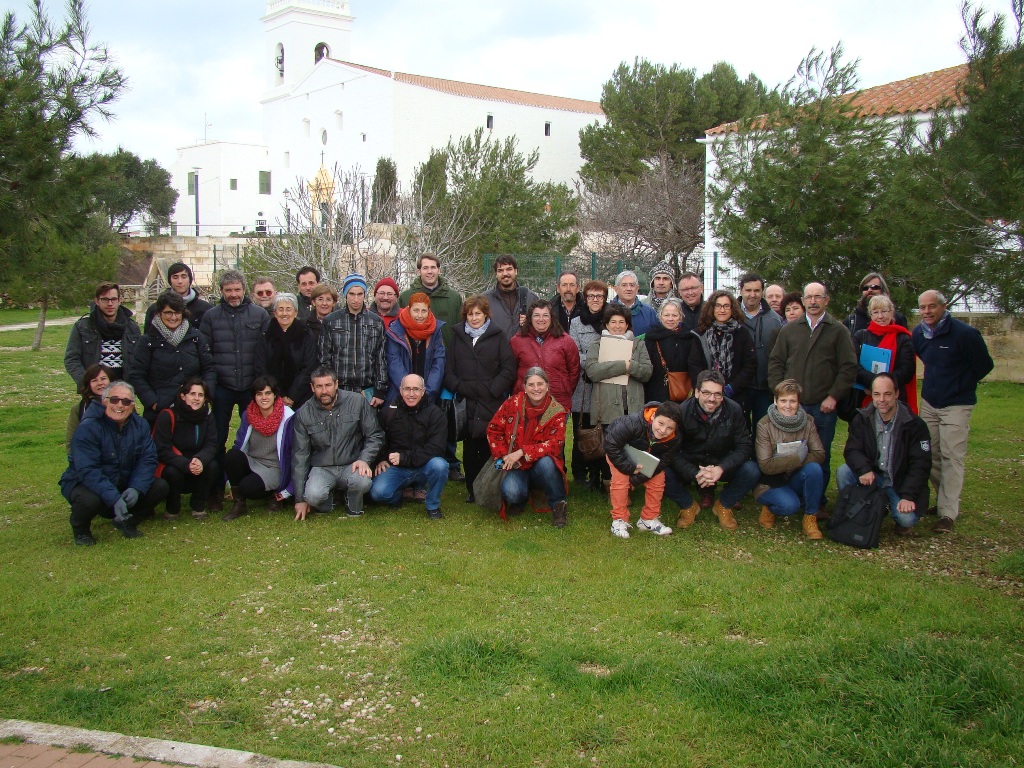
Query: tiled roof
point(921, 93)
point(486, 92)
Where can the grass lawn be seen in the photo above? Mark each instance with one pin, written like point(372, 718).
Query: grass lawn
point(472, 641)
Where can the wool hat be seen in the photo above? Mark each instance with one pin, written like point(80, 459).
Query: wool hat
point(352, 280)
point(180, 266)
point(388, 282)
point(663, 268)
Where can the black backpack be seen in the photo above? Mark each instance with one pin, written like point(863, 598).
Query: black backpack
point(857, 516)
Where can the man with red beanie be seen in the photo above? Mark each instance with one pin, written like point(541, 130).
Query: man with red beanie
point(385, 300)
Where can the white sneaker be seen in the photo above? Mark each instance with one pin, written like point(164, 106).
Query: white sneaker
point(654, 526)
point(620, 528)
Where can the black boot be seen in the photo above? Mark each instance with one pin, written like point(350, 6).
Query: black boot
point(559, 514)
point(238, 508)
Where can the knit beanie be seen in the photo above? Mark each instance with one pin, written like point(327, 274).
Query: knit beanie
point(180, 266)
point(353, 280)
point(663, 268)
point(386, 281)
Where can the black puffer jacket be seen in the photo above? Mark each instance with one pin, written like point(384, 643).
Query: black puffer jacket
point(635, 429)
point(290, 357)
point(159, 368)
point(483, 373)
point(182, 435)
point(911, 452)
point(675, 347)
point(417, 434)
point(722, 441)
point(234, 334)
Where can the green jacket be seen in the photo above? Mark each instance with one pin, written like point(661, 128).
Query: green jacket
point(823, 362)
point(445, 303)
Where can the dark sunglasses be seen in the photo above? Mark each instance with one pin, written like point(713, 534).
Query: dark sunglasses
point(866, 288)
point(120, 400)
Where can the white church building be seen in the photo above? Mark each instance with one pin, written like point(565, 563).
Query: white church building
point(320, 109)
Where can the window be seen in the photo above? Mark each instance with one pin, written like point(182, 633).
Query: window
point(323, 137)
point(233, 185)
point(490, 122)
point(191, 182)
point(287, 159)
point(264, 182)
point(320, 51)
point(339, 119)
point(305, 127)
point(364, 137)
point(279, 62)
point(547, 129)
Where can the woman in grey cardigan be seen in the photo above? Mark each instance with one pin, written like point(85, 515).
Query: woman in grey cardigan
point(611, 400)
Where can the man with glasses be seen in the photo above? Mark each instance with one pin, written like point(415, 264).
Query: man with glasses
point(106, 335)
point(415, 433)
point(110, 467)
point(627, 286)
point(385, 301)
point(691, 291)
point(336, 438)
point(234, 329)
point(716, 447)
point(263, 293)
point(818, 352)
point(872, 285)
point(955, 359)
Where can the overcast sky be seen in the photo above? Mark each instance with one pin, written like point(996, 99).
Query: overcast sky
point(188, 58)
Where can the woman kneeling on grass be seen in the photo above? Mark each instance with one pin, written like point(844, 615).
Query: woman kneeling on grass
point(94, 381)
point(527, 435)
point(654, 431)
point(186, 446)
point(789, 453)
point(260, 463)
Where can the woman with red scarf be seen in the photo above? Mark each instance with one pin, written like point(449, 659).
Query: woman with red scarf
point(884, 333)
point(414, 345)
point(527, 435)
point(260, 463)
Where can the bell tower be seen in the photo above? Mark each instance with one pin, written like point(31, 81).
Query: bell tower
point(298, 33)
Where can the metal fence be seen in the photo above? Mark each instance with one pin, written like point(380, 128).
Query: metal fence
point(539, 272)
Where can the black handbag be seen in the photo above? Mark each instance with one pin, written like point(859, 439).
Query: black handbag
point(857, 516)
point(455, 412)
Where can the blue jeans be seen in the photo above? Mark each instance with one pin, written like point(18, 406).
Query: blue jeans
point(544, 474)
point(804, 486)
point(224, 401)
point(388, 485)
point(825, 423)
point(846, 476)
point(739, 483)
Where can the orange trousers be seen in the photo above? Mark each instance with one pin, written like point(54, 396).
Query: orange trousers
point(618, 491)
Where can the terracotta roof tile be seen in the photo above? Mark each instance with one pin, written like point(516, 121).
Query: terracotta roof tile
point(486, 92)
point(921, 93)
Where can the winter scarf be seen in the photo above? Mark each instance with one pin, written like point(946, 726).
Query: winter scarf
point(110, 331)
point(719, 338)
point(889, 335)
point(476, 333)
point(173, 337)
point(184, 413)
point(793, 423)
point(417, 331)
point(265, 425)
point(593, 319)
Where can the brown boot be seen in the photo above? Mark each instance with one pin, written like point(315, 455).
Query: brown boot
point(767, 519)
point(559, 514)
point(811, 527)
point(725, 518)
point(238, 508)
point(687, 516)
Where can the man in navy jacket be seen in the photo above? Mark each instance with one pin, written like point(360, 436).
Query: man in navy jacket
point(955, 359)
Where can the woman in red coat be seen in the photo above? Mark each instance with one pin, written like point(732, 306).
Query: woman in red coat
point(542, 343)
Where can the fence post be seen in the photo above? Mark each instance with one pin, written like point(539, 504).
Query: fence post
point(238, 249)
point(593, 265)
point(714, 266)
point(214, 261)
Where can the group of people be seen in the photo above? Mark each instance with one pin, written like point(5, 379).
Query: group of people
point(343, 396)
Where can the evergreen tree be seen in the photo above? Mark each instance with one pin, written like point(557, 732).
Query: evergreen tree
point(384, 200)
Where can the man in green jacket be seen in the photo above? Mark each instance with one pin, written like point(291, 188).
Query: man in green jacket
point(446, 304)
point(818, 352)
point(445, 301)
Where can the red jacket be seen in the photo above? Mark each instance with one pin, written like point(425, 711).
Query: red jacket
point(558, 356)
point(548, 436)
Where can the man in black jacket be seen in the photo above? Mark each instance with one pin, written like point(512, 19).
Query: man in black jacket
point(415, 433)
point(716, 446)
point(106, 335)
point(890, 447)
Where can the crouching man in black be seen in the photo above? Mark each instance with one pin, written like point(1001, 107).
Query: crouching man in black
point(110, 467)
point(890, 447)
point(415, 435)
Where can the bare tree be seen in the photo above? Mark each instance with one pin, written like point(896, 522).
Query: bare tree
point(325, 224)
point(659, 215)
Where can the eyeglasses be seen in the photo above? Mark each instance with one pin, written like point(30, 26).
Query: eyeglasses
point(120, 400)
point(411, 389)
point(170, 313)
point(723, 306)
point(866, 288)
point(264, 293)
point(814, 298)
point(595, 297)
point(712, 395)
point(109, 299)
point(880, 312)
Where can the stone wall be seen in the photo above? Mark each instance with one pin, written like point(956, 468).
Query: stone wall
point(198, 252)
point(1004, 335)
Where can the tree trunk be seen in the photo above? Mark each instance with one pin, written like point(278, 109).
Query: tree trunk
point(37, 342)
